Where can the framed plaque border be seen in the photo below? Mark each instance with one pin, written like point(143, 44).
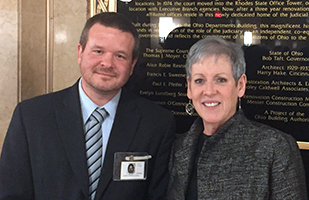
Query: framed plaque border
point(303, 145)
point(96, 6)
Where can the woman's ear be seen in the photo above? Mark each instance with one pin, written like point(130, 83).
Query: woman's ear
point(188, 89)
point(241, 85)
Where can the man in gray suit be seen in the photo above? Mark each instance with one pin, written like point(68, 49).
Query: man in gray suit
point(44, 154)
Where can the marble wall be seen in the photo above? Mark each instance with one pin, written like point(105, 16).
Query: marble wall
point(32, 35)
point(69, 19)
point(39, 50)
point(8, 62)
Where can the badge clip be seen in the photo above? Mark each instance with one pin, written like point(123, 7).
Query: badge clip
point(135, 158)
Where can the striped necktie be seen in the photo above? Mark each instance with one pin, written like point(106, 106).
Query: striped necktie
point(93, 139)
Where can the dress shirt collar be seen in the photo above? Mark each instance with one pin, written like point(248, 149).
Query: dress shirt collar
point(88, 106)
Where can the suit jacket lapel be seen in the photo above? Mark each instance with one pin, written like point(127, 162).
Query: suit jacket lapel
point(70, 123)
point(123, 131)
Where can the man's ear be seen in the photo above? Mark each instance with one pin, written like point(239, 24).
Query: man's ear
point(79, 53)
point(132, 65)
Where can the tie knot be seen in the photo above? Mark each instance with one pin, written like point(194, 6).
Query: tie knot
point(99, 114)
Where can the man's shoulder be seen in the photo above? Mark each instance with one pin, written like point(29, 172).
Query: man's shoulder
point(147, 109)
point(144, 103)
point(49, 98)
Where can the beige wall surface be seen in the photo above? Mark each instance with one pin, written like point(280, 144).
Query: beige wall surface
point(32, 34)
point(69, 19)
point(8, 62)
point(39, 50)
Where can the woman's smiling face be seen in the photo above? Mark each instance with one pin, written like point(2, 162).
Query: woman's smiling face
point(213, 89)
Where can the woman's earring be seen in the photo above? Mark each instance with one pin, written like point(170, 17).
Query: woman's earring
point(239, 103)
point(190, 108)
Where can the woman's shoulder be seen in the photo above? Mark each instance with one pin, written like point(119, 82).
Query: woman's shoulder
point(267, 134)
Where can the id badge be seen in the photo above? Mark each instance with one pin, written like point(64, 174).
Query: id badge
point(130, 166)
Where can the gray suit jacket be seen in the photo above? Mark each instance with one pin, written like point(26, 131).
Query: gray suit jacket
point(43, 155)
point(243, 160)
